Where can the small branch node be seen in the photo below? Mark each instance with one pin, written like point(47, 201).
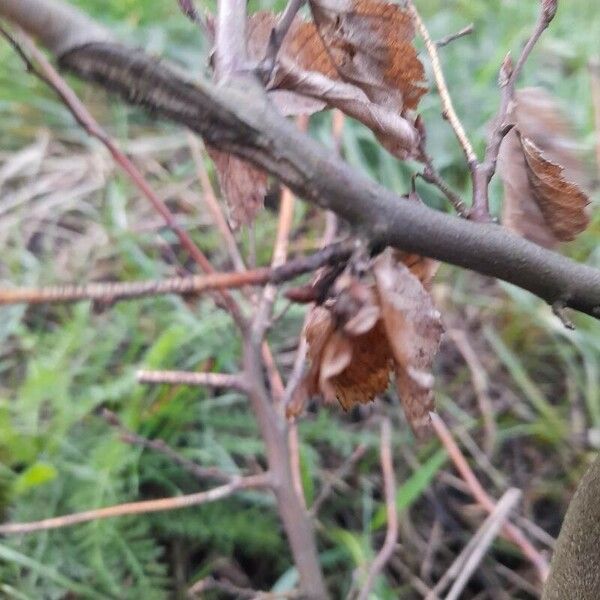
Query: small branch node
point(559, 309)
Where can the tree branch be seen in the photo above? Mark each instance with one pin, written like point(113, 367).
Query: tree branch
point(109, 292)
point(48, 74)
point(215, 380)
point(135, 508)
point(238, 118)
point(293, 514)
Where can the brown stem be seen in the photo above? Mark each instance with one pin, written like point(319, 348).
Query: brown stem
point(109, 292)
point(448, 39)
point(214, 380)
point(214, 207)
point(295, 519)
point(144, 507)
point(189, 10)
point(438, 73)
point(278, 33)
point(594, 67)
point(508, 77)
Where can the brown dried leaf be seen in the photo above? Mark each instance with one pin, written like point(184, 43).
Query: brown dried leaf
point(562, 204)
point(351, 362)
point(413, 327)
point(370, 44)
point(370, 329)
point(318, 330)
point(368, 372)
point(520, 212)
point(392, 130)
point(537, 117)
point(423, 268)
point(243, 186)
point(303, 46)
point(383, 78)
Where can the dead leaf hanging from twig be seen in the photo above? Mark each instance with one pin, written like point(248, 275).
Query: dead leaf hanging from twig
point(370, 45)
point(542, 172)
point(414, 329)
point(376, 325)
point(243, 186)
point(562, 203)
point(366, 67)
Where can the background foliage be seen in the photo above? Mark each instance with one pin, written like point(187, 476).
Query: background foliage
point(71, 217)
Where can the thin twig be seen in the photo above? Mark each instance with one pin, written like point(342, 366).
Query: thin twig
point(278, 33)
point(108, 292)
point(507, 81)
point(447, 106)
point(295, 463)
point(263, 480)
point(189, 10)
point(431, 175)
point(472, 554)
point(48, 74)
point(265, 308)
point(199, 472)
point(389, 487)
point(467, 30)
point(512, 532)
point(214, 380)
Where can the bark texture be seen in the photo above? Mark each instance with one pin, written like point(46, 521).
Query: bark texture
point(575, 568)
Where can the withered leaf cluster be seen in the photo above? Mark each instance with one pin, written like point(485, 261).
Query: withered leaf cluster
point(379, 325)
point(357, 56)
point(542, 172)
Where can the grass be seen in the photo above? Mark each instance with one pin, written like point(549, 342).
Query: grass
point(72, 217)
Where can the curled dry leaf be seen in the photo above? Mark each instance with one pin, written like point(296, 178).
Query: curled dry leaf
point(243, 186)
point(358, 58)
point(414, 329)
point(381, 324)
point(370, 45)
point(543, 200)
point(303, 47)
point(562, 204)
